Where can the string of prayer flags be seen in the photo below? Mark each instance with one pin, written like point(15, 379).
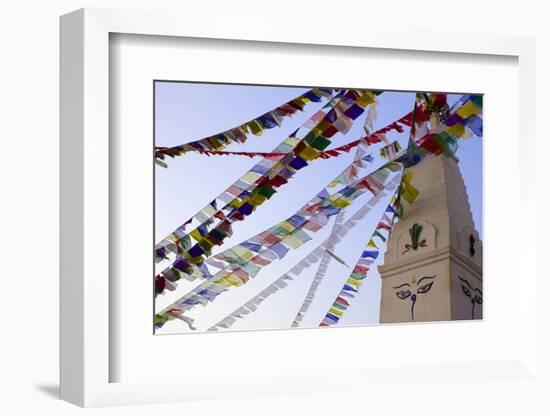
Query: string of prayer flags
point(230, 206)
point(310, 153)
point(190, 267)
point(421, 116)
point(426, 123)
point(350, 288)
point(412, 156)
point(260, 183)
point(341, 229)
point(339, 232)
point(256, 127)
point(441, 143)
point(409, 193)
point(440, 128)
point(253, 304)
point(261, 169)
point(465, 118)
point(235, 260)
point(289, 234)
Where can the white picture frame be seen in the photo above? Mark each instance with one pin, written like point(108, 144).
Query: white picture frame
point(85, 213)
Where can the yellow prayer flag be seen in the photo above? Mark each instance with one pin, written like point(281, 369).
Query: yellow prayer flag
point(309, 153)
point(209, 210)
point(205, 244)
point(321, 127)
point(468, 109)
point(250, 177)
point(341, 202)
point(371, 244)
point(336, 312)
point(292, 242)
point(196, 234)
point(216, 143)
point(244, 129)
point(409, 192)
point(242, 252)
point(224, 283)
point(456, 130)
point(194, 260)
point(234, 279)
point(292, 141)
point(231, 279)
point(354, 282)
point(255, 127)
point(286, 226)
point(334, 183)
point(236, 203)
point(365, 99)
point(407, 176)
point(256, 200)
point(393, 166)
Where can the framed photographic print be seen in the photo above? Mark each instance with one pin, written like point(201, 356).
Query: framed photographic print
point(283, 213)
point(277, 215)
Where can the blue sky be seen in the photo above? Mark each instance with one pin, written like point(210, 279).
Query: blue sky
point(186, 112)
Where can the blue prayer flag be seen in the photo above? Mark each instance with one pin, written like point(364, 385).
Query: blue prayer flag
point(296, 220)
point(259, 169)
point(279, 249)
point(350, 288)
point(330, 211)
point(333, 317)
point(203, 229)
point(298, 163)
point(369, 253)
point(475, 124)
point(311, 95)
point(252, 246)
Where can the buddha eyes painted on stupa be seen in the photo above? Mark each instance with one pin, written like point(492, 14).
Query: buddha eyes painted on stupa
point(410, 290)
point(475, 294)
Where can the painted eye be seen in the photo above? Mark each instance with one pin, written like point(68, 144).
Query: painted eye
point(466, 291)
point(425, 288)
point(403, 294)
point(478, 299)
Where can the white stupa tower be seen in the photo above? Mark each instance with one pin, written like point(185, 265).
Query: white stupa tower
point(432, 268)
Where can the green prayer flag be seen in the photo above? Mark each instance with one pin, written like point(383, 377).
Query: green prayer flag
point(377, 234)
point(477, 100)
point(251, 268)
point(319, 143)
point(184, 243)
point(160, 319)
point(357, 276)
point(266, 191)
